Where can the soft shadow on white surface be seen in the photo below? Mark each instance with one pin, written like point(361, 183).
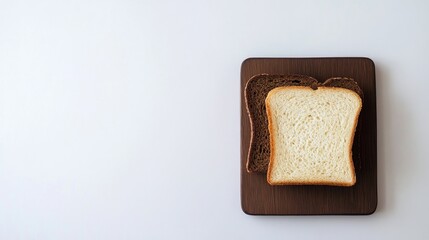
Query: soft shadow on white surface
point(394, 124)
point(384, 104)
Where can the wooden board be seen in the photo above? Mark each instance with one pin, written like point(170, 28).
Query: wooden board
point(259, 198)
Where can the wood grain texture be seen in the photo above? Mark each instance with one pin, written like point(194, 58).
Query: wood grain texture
point(259, 198)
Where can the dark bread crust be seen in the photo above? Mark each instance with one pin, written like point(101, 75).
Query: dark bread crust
point(256, 91)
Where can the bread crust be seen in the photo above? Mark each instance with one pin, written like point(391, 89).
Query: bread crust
point(272, 148)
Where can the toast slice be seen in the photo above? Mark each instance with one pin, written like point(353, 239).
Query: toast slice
point(256, 91)
point(311, 135)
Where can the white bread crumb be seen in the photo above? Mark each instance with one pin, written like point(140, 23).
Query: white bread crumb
point(311, 135)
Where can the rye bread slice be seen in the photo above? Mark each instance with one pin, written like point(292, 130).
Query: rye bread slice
point(256, 91)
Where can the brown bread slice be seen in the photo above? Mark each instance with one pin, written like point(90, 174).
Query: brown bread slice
point(256, 91)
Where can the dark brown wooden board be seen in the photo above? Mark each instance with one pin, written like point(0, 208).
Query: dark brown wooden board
point(259, 198)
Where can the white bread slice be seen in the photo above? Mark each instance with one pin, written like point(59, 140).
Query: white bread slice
point(311, 135)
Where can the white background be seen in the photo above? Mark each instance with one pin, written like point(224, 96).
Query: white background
point(121, 119)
